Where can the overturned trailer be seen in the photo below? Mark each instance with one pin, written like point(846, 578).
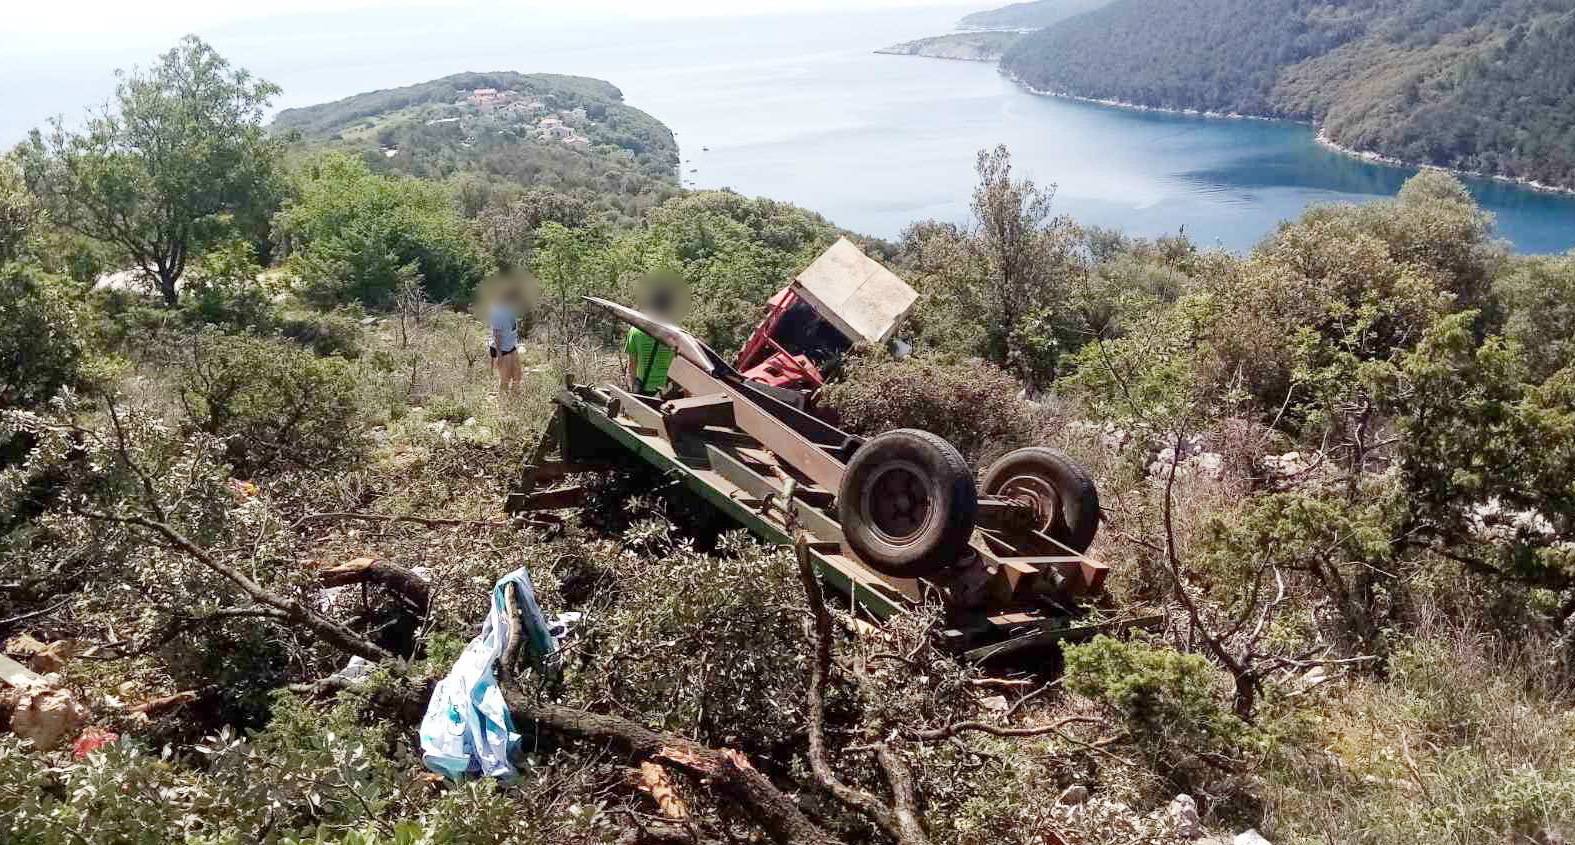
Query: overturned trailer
point(892, 521)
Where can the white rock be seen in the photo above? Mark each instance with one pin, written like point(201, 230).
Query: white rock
point(1251, 836)
point(1183, 813)
point(48, 717)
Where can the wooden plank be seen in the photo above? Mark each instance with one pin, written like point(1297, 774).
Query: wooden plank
point(18, 675)
point(1018, 575)
point(1069, 567)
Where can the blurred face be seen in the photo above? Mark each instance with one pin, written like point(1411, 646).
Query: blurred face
point(662, 304)
point(662, 295)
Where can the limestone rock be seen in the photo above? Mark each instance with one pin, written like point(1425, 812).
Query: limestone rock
point(48, 717)
point(1183, 813)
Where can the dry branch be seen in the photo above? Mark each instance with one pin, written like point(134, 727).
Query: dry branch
point(726, 770)
point(900, 821)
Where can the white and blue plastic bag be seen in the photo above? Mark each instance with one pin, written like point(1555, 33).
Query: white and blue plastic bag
point(467, 729)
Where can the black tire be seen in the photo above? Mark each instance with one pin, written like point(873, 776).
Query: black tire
point(907, 503)
point(1073, 516)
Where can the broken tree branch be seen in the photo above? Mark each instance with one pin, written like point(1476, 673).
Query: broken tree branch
point(728, 771)
point(405, 582)
point(325, 629)
point(906, 829)
point(956, 728)
point(429, 522)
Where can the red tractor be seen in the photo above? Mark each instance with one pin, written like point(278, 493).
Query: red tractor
point(842, 299)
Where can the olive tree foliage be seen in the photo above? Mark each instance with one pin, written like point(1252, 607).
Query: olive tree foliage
point(41, 336)
point(507, 229)
point(357, 236)
point(41, 343)
point(1538, 298)
point(178, 161)
point(1488, 455)
point(732, 252)
point(19, 212)
point(1300, 342)
point(999, 289)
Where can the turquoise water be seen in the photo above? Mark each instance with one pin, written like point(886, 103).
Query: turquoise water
point(799, 108)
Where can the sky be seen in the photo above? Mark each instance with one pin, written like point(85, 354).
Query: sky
point(39, 26)
point(60, 58)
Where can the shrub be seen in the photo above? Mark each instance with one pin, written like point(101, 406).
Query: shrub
point(273, 403)
point(40, 337)
point(331, 333)
point(973, 404)
point(1170, 701)
point(735, 617)
point(355, 235)
point(1539, 296)
point(224, 290)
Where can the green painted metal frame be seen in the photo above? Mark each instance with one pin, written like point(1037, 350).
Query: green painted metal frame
point(878, 605)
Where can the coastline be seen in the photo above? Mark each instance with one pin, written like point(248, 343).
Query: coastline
point(1321, 138)
point(891, 52)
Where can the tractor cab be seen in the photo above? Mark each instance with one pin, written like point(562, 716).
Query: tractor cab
point(844, 298)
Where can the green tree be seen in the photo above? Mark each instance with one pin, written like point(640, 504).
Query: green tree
point(1538, 295)
point(1000, 289)
point(354, 235)
point(41, 347)
point(179, 161)
point(18, 212)
point(1488, 456)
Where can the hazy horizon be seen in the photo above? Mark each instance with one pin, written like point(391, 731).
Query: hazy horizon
point(59, 60)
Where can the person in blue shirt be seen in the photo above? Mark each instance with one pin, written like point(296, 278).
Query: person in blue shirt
point(504, 345)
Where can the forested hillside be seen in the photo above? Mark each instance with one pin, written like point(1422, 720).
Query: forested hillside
point(1483, 86)
point(1030, 15)
point(568, 133)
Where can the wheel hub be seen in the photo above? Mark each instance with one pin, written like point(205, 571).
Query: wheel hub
point(898, 502)
point(1038, 497)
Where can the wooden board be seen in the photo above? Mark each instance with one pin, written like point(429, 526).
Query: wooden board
point(852, 291)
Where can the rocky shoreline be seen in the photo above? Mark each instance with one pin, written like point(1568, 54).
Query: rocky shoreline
point(1326, 142)
point(1321, 137)
point(981, 46)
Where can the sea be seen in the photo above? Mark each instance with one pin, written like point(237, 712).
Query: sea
point(799, 107)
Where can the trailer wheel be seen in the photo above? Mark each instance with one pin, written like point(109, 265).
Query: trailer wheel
point(907, 503)
point(1063, 494)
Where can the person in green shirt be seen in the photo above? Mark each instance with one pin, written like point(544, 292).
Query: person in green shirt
point(648, 358)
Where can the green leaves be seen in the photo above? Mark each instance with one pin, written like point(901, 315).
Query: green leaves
point(355, 234)
point(1170, 701)
point(1489, 455)
point(178, 162)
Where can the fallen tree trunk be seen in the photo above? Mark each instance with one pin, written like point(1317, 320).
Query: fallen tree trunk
point(726, 770)
point(365, 570)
